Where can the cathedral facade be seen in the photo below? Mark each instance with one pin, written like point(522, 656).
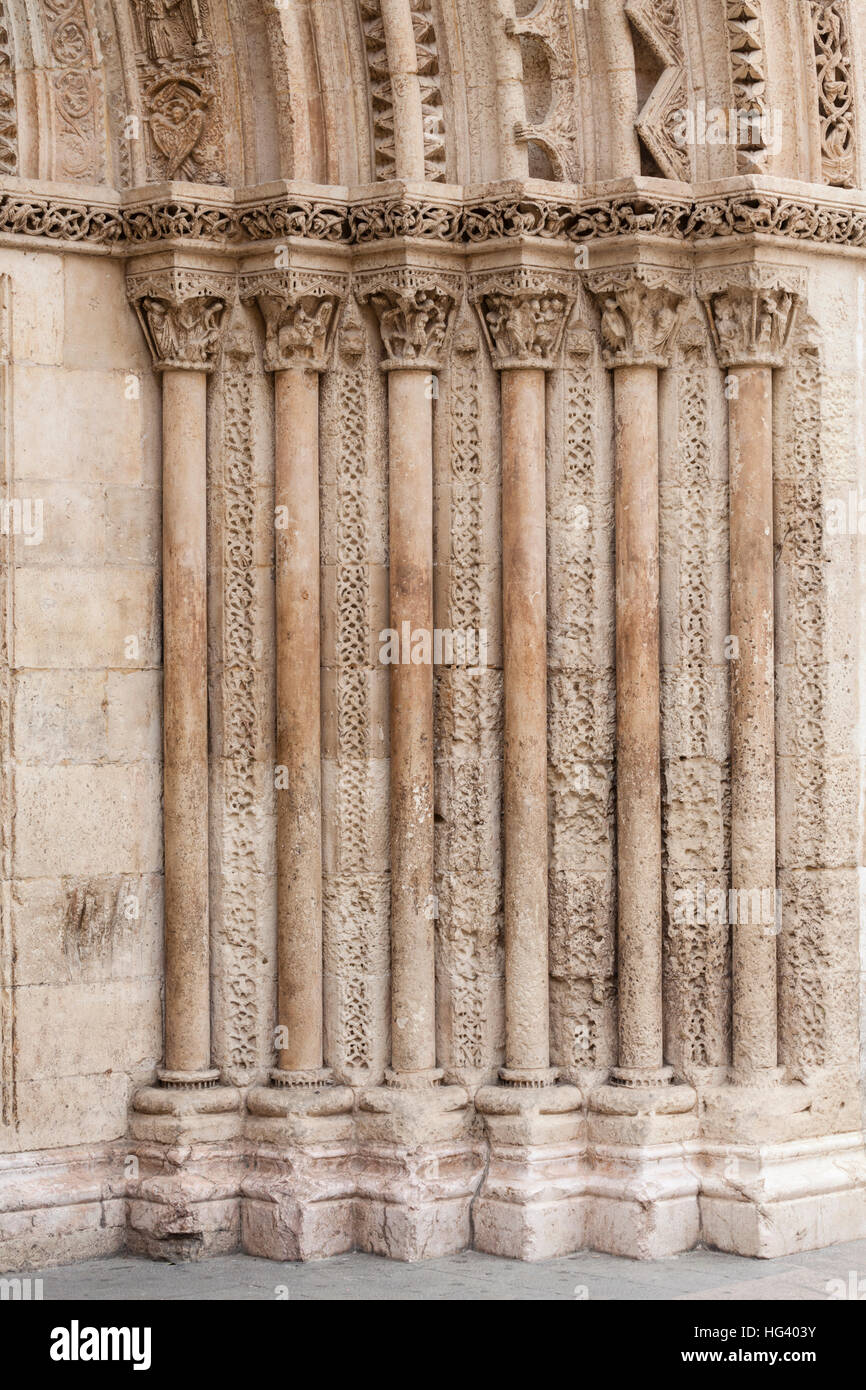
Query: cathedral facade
point(432, 733)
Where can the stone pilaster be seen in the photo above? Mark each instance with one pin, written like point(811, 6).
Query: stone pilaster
point(533, 1125)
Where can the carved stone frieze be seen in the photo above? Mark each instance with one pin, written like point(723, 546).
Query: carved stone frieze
point(523, 313)
point(639, 308)
point(804, 219)
point(414, 309)
point(181, 314)
point(300, 310)
point(751, 310)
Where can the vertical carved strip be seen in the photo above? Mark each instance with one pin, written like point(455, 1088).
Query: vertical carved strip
point(356, 885)
point(239, 681)
point(830, 37)
point(8, 1099)
point(694, 716)
point(8, 112)
point(75, 87)
point(748, 81)
point(581, 731)
point(382, 93)
point(468, 737)
point(816, 912)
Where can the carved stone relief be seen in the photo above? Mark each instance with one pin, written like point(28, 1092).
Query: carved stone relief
point(179, 83)
point(76, 90)
point(829, 27)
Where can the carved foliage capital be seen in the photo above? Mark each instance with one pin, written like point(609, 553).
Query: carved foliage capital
point(523, 313)
point(751, 311)
point(182, 315)
point(639, 313)
point(300, 310)
point(414, 308)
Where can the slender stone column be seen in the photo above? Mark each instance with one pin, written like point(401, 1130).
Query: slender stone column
point(523, 313)
point(300, 310)
point(751, 311)
point(413, 308)
point(638, 318)
point(181, 312)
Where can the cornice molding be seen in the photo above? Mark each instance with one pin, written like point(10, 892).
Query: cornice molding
point(227, 224)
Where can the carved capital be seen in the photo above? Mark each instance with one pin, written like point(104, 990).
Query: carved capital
point(640, 308)
point(751, 311)
point(523, 313)
point(414, 308)
point(182, 315)
point(300, 309)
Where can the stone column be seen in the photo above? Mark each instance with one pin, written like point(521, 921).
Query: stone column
point(413, 309)
point(419, 1166)
point(523, 313)
point(533, 1125)
point(181, 312)
point(639, 311)
point(300, 310)
point(644, 1198)
point(304, 1118)
point(751, 311)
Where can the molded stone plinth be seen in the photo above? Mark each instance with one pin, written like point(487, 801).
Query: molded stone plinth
point(299, 1202)
point(291, 1115)
point(762, 1114)
point(530, 1206)
point(769, 1200)
point(417, 1171)
point(641, 1191)
point(175, 1115)
point(188, 1208)
point(642, 1200)
point(60, 1205)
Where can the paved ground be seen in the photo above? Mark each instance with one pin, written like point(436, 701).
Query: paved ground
point(700, 1274)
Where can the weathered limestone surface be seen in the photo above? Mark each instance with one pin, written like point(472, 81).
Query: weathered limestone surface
point(431, 658)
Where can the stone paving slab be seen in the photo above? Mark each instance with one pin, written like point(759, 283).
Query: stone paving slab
point(703, 1275)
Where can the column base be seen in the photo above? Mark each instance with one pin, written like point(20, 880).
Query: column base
point(642, 1195)
point(299, 1201)
point(175, 1113)
point(769, 1200)
point(530, 1205)
point(417, 1171)
point(760, 1109)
